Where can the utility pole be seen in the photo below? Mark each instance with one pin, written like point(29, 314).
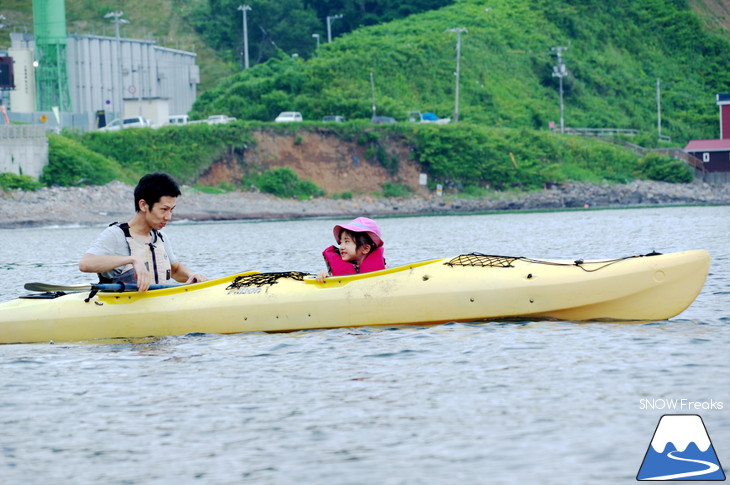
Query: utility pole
point(560, 72)
point(658, 108)
point(244, 9)
point(458, 32)
point(117, 16)
point(329, 26)
point(372, 89)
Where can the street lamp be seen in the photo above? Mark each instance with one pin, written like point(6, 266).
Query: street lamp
point(117, 20)
point(329, 26)
point(458, 32)
point(316, 36)
point(560, 72)
point(244, 9)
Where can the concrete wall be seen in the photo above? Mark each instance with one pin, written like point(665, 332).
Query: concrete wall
point(23, 149)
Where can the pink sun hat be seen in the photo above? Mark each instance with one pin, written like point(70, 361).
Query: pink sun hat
point(361, 224)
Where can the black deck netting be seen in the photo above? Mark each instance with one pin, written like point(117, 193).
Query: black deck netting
point(262, 279)
point(486, 260)
point(479, 259)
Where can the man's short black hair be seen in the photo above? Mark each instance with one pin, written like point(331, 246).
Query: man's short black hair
point(152, 187)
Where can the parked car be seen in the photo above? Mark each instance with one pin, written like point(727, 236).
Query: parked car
point(288, 117)
point(333, 118)
point(177, 120)
point(381, 120)
point(219, 119)
point(133, 122)
point(418, 117)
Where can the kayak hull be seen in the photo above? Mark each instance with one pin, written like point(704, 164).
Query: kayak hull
point(653, 287)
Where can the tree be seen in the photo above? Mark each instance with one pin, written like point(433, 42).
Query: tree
point(274, 26)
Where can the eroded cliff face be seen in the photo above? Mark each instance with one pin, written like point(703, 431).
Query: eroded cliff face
point(333, 164)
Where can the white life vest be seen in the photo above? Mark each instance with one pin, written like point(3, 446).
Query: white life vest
point(154, 255)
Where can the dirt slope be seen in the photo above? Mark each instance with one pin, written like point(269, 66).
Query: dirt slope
point(333, 164)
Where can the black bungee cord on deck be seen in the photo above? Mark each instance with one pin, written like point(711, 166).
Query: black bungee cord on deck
point(492, 261)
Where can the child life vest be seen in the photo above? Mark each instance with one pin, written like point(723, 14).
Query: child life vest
point(374, 261)
point(154, 255)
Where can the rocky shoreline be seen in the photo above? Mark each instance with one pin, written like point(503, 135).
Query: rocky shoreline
point(97, 205)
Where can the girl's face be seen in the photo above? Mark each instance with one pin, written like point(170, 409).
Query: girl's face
point(349, 250)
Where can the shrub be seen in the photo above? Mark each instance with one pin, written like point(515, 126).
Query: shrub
point(284, 182)
point(396, 190)
point(347, 195)
point(71, 164)
point(664, 169)
point(11, 181)
point(182, 151)
point(473, 191)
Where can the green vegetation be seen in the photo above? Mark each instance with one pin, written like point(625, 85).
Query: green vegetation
point(347, 195)
point(659, 167)
point(396, 190)
point(213, 28)
point(284, 182)
point(286, 26)
point(72, 164)
point(11, 181)
point(506, 158)
point(465, 157)
point(184, 151)
point(616, 53)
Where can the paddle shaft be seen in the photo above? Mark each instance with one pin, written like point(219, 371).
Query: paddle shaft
point(107, 287)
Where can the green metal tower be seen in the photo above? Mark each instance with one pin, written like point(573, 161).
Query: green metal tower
point(49, 25)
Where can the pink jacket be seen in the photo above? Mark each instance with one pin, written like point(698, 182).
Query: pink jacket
point(372, 262)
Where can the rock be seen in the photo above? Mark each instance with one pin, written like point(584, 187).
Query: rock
point(100, 205)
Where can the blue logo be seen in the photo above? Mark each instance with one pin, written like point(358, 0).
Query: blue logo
point(681, 450)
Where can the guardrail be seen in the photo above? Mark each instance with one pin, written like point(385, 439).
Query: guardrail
point(608, 132)
point(601, 131)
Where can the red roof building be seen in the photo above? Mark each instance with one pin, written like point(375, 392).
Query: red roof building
point(715, 154)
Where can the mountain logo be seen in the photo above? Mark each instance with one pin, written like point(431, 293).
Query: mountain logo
point(681, 450)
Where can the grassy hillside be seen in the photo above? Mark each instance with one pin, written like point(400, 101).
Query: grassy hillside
point(616, 51)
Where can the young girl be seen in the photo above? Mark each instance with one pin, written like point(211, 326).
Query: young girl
point(360, 251)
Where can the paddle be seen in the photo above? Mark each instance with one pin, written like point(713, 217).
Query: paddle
point(110, 287)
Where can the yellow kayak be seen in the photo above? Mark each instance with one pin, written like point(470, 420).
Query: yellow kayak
point(466, 288)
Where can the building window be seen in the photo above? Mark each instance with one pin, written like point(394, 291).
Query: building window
point(706, 157)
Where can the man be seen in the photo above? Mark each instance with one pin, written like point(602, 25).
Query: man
point(137, 251)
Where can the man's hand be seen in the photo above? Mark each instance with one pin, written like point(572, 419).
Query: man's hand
point(143, 275)
point(196, 278)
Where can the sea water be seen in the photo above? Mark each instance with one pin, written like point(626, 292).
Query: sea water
point(520, 402)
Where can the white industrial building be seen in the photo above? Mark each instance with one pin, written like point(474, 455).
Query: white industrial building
point(121, 77)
